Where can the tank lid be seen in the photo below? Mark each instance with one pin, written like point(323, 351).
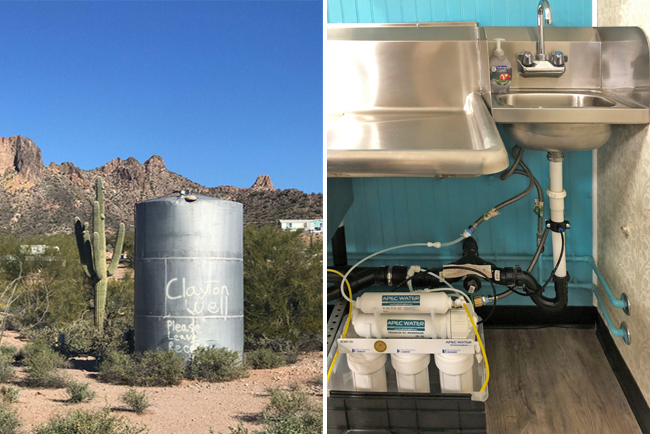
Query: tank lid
point(188, 198)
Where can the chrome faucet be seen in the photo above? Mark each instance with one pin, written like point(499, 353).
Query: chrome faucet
point(538, 66)
point(543, 14)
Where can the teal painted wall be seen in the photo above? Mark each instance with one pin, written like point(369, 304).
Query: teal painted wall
point(392, 211)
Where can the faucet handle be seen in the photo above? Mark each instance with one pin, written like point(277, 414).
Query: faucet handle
point(558, 58)
point(526, 58)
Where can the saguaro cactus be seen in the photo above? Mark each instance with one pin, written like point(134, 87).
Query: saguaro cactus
point(92, 251)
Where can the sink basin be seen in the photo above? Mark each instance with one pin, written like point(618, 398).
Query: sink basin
point(542, 100)
point(563, 120)
point(560, 137)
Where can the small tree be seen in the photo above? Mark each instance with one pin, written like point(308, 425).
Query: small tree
point(282, 284)
point(92, 252)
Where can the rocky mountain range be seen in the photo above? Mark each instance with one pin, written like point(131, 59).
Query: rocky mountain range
point(38, 199)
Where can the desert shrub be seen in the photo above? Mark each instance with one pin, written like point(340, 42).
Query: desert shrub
point(241, 429)
point(215, 365)
point(8, 350)
point(118, 368)
point(9, 421)
point(290, 412)
point(9, 394)
point(7, 371)
point(42, 364)
point(287, 348)
point(88, 422)
point(159, 368)
point(282, 285)
point(151, 368)
point(82, 338)
point(137, 402)
point(264, 358)
point(50, 288)
point(79, 392)
point(30, 349)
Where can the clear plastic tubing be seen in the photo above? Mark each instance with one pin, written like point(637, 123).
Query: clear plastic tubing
point(437, 245)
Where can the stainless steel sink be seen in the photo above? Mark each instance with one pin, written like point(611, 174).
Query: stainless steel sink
point(605, 83)
point(562, 120)
point(560, 137)
point(542, 100)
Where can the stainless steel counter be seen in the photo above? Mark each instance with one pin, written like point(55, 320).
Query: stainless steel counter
point(405, 101)
point(389, 142)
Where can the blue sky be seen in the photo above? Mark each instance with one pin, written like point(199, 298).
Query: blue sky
point(222, 90)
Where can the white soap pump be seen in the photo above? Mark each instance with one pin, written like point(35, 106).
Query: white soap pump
point(500, 70)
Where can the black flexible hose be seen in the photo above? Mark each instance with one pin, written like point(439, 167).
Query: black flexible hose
point(517, 153)
point(561, 298)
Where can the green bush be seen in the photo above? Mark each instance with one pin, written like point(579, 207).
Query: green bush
point(88, 422)
point(159, 368)
point(9, 394)
point(290, 412)
point(287, 348)
point(215, 365)
point(138, 402)
point(79, 392)
point(151, 368)
point(82, 338)
point(283, 285)
point(241, 429)
point(7, 371)
point(30, 349)
point(9, 421)
point(289, 401)
point(265, 358)
point(118, 368)
point(51, 288)
point(42, 364)
point(8, 350)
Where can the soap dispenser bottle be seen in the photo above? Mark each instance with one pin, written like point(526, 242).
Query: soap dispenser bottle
point(500, 70)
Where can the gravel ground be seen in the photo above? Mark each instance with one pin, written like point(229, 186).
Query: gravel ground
point(192, 407)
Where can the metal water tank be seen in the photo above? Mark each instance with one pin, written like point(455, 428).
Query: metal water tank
point(189, 279)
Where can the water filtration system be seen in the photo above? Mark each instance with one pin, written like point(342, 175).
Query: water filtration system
point(189, 274)
point(432, 315)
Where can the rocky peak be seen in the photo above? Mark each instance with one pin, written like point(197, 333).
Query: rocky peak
point(263, 182)
point(111, 165)
point(24, 157)
point(154, 164)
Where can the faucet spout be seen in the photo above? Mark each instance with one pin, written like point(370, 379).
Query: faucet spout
point(543, 15)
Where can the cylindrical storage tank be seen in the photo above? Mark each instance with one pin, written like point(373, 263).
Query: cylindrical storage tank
point(189, 279)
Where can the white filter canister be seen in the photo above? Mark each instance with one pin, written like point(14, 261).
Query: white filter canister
point(368, 372)
point(412, 372)
point(368, 325)
point(390, 302)
point(456, 374)
point(453, 324)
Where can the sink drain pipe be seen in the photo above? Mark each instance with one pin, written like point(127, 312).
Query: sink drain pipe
point(558, 226)
point(556, 196)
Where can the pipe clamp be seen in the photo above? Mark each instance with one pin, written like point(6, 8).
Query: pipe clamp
point(555, 194)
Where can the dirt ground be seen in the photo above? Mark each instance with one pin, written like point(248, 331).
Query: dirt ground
point(192, 407)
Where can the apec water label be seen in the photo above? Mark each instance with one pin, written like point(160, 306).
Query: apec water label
point(400, 302)
point(405, 326)
point(459, 343)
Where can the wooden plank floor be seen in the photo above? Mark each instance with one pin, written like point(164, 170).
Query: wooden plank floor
point(553, 380)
